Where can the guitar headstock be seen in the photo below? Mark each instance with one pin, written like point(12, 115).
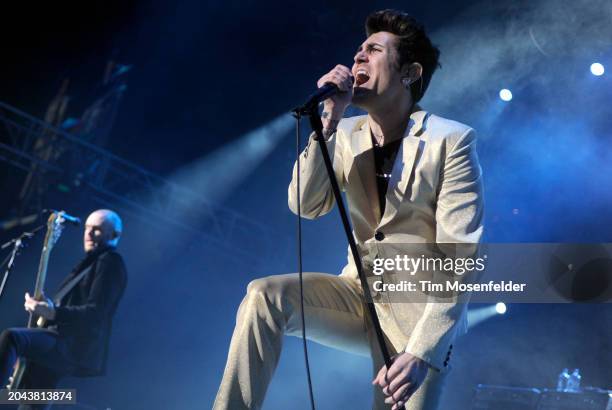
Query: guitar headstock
point(55, 227)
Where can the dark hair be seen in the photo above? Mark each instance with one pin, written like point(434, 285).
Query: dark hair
point(414, 45)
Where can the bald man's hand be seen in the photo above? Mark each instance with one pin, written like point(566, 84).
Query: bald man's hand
point(45, 309)
point(404, 377)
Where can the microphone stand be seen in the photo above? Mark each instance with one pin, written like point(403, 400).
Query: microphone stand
point(311, 110)
point(18, 244)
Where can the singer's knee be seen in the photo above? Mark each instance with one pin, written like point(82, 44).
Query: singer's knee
point(272, 289)
point(261, 287)
point(265, 299)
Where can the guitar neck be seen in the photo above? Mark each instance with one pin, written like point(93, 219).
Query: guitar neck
point(41, 277)
point(53, 232)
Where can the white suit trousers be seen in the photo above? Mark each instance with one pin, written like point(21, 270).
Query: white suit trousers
point(336, 316)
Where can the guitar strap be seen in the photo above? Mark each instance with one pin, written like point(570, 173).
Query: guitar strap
point(69, 286)
point(89, 261)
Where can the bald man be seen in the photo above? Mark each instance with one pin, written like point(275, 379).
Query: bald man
point(75, 341)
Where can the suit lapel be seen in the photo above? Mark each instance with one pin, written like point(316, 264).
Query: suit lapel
point(362, 174)
point(403, 168)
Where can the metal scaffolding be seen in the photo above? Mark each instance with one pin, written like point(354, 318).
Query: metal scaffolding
point(48, 155)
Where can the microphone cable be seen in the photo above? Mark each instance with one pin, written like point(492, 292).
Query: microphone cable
point(299, 246)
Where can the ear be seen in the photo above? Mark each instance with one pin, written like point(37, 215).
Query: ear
point(411, 73)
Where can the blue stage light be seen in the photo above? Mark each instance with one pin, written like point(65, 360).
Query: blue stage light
point(505, 94)
point(597, 69)
point(500, 308)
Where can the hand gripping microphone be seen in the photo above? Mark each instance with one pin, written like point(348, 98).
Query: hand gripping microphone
point(323, 93)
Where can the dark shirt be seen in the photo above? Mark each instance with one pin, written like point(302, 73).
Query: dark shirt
point(384, 158)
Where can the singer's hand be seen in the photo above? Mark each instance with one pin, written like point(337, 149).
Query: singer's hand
point(404, 377)
point(342, 77)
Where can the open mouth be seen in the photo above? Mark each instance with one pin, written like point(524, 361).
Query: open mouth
point(361, 77)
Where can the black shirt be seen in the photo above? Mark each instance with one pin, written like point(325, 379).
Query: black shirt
point(384, 158)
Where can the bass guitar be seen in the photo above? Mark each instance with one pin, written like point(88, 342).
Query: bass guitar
point(55, 226)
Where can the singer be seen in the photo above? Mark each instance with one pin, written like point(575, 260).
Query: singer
point(409, 177)
point(75, 342)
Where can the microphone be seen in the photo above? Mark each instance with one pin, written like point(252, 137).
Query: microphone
point(73, 220)
point(70, 219)
point(323, 93)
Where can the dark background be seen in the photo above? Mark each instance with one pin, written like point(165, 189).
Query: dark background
point(205, 74)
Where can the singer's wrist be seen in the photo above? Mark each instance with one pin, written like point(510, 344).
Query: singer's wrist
point(329, 120)
point(327, 133)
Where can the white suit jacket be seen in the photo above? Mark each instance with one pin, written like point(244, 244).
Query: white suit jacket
point(435, 195)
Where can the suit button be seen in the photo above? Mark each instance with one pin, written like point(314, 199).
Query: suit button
point(379, 236)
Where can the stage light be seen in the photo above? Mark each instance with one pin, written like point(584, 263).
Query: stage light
point(216, 175)
point(505, 94)
point(500, 308)
point(481, 314)
point(597, 69)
